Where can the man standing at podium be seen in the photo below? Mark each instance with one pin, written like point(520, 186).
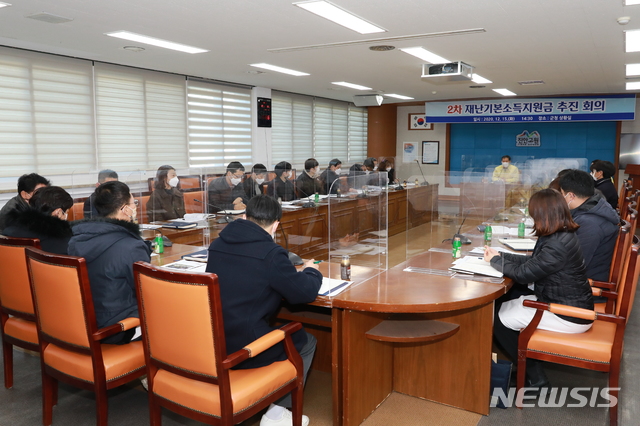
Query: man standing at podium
point(506, 172)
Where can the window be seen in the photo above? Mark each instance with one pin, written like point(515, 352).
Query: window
point(305, 127)
point(219, 124)
point(46, 113)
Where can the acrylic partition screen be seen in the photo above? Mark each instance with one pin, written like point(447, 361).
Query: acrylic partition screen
point(357, 219)
point(458, 207)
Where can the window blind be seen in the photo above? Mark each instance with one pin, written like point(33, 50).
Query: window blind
point(141, 118)
point(219, 124)
point(292, 129)
point(46, 114)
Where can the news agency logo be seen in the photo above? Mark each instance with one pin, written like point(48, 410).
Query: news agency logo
point(556, 397)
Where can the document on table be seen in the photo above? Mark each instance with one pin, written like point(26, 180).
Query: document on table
point(186, 266)
point(480, 251)
point(518, 243)
point(505, 230)
point(475, 265)
point(331, 287)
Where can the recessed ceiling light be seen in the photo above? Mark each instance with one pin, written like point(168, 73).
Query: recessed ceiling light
point(504, 92)
point(633, 69)
point(351, 85)
point(478, 79)
point(279, 69)
point(633, 85)
point(126, 35)
point(393, 95)
point(4, 4)
point(339, 16)
point(632, 41)
point(134, 48)
point(425, 55)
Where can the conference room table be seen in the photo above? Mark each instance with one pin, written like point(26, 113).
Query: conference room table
point(427, 335)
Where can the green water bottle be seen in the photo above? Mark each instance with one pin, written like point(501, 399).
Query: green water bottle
point(317, 198)
point(159, 244)
point(488, 235)
point(521, 228)
point(456, 251)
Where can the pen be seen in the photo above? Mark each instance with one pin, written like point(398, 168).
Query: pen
point(317, 261)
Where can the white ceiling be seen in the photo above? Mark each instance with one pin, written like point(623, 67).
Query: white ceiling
point(575, 46)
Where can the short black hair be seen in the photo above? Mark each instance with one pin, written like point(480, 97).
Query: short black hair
point(335, 162)
point(579, 182)
point(259, 169)
point(370, 163)
point(507, 157)
point(356, 168)
point(263, 210)
point(606, 167)
point(106, 174)
point(234, 166)
point(310, 164)
point(161, 176)
point(50, 198)
point(281, 167)
point(28, 183)
point(110, 197)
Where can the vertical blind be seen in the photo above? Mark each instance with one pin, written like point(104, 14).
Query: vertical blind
point(305, 127)
point(219, 124)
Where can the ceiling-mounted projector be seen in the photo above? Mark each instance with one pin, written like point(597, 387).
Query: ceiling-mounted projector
point(367, 100)
point(453, 71)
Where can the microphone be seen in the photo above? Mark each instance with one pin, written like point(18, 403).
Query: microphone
point(425, 179)
point(293, 258)
point(463, 239)
point(225, 219)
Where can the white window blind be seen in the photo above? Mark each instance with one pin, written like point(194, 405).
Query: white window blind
point(46, 114)
point(141, 118)
point(305, 127)
point(292, 129)
point(219, 124)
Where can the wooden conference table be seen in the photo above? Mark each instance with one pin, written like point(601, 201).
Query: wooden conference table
point(379, 341)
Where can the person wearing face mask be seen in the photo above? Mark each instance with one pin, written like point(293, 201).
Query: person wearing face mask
point(506, 172)
point(253, 184)
point(45, 218)
point(255, 275)
point(282, 187)
point(166, 201)
point(111, 244)
point(27, 185)
point(307, 183)
point(598, 222)
point(329, 176)
point(602, 172)
point(225, 192)
point(106, 175)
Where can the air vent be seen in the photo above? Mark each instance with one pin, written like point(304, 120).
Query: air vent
point(49, 18)
point(530, 82)
point(477, 87)
point(382, 48)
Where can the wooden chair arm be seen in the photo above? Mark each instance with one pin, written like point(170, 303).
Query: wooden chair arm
point(602, 284)
point(261, 344)
point(611, 295)
point(570, 311)
point(110, 330)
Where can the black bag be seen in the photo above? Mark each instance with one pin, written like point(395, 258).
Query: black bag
point(500, 377)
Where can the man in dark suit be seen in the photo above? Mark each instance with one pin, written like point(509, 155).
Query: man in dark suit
point(255, 274)
point(307, 183)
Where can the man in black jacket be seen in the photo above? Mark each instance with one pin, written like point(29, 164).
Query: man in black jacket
point(598, 222)
point(307, 183)
point(255, 274)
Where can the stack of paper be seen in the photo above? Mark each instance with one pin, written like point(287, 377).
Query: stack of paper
point(331, 287)
point(518, 243)
point(505, 230)
point(475, 265)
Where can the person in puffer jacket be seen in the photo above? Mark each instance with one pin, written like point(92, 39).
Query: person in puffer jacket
point(557, 270)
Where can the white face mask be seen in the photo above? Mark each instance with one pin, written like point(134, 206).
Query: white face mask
point(569, 202)
point(173, 182)
point(235, 180)
point(505, 164)
point(259, 181)
point(134, 213)
point(593, 175)
point(286, 175)
point(338, 171)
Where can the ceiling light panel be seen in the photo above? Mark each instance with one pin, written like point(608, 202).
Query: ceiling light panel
point(478, 79)
point(340, 16)
point(504, 92)
point(425, 55)
point(633, 69)
point(351, 85)
point(126, 35)
point(4, 4)
point(633, 85)
point(393, 95)
point(632, 41)
point(631, 2)
point(280, 69)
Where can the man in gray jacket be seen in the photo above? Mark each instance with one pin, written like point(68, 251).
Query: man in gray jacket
point(597, 219)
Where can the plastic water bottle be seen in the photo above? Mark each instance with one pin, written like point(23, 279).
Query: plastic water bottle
point(488, 235)
point(456, 251)
point(159, 244)
point(521, 228)
point(317, 198)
